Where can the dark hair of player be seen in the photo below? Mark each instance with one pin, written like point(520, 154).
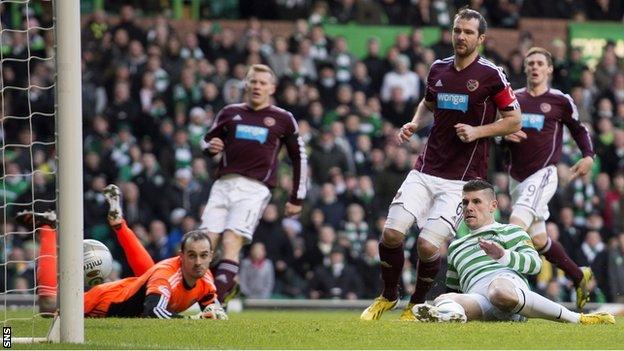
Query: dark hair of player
point(479, 184)
point(466, 14)
point(194, 235)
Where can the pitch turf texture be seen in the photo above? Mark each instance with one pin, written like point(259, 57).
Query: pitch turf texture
point(296, 329)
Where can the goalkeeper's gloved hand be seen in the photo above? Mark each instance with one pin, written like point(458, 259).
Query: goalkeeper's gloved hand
point(212, 311)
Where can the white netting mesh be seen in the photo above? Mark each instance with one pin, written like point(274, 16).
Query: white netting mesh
point(27, 150)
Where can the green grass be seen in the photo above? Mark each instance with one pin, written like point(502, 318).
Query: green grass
point(291, 329)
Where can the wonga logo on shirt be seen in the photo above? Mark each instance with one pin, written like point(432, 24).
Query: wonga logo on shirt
point(457, 102)
point(248, 132)
point(532, 121)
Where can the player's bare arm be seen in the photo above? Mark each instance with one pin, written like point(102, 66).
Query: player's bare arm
point(516, 137)
point(422, 117)
point(510, 122)
point(582, 167)
point(296, 152)
point(215, 146)
point(491, 248)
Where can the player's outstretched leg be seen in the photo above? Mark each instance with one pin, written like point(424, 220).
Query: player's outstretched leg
point(392, 260)
point(426, 270)
point(507, 297)
point(45, 224)
point(227, 268)
point(554, 253)
point(582, 288)
point(138, 258)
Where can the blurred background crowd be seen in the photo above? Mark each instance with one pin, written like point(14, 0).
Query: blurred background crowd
point(151, 91)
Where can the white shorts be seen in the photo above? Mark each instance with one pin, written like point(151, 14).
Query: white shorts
point(427, 198)
point(479, 292)
point(236, 203)
point(534, 193)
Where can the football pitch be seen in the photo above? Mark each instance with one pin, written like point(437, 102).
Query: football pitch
point(298, 329)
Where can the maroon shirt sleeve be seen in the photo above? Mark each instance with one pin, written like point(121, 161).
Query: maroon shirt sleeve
point(217, 130)
point(502, 93)
point(577, 130)
point(296, 152)
point(429, 93)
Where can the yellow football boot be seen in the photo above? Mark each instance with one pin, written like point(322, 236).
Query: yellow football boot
point(597, 318)
point(582, 291)
point(377, 308)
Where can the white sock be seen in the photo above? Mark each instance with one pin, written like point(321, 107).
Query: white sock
point(533, 305)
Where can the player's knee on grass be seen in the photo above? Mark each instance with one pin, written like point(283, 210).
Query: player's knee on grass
point(392, 238)
point(502, 294)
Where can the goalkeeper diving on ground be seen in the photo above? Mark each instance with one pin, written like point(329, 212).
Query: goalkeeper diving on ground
point(160, 290)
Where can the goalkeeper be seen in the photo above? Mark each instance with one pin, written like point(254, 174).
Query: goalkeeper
point(161, 290)
point(487, 263)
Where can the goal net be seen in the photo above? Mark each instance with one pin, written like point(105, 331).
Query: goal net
point(30, 121)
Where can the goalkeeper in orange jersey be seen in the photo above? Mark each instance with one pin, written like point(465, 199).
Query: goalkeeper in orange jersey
point(161, 290)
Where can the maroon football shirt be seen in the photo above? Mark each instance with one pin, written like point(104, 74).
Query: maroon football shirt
point(470, 96)
point(252, 142)
point(543, 118)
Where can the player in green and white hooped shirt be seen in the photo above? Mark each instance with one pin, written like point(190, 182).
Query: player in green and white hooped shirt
point(486, 263)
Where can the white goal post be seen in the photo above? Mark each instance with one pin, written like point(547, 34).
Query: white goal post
point(69, 155)
point(61, 139)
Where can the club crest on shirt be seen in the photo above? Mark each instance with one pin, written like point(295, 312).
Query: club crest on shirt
point(545, 107)
point(472, 84)
point(269, 121)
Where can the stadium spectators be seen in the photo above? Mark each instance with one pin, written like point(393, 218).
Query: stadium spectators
point(257, 276)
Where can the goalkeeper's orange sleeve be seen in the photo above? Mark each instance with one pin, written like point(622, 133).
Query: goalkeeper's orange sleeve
point(46, 265)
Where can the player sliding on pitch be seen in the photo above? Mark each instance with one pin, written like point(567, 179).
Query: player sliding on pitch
point(464, 92)
point(487, 264)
